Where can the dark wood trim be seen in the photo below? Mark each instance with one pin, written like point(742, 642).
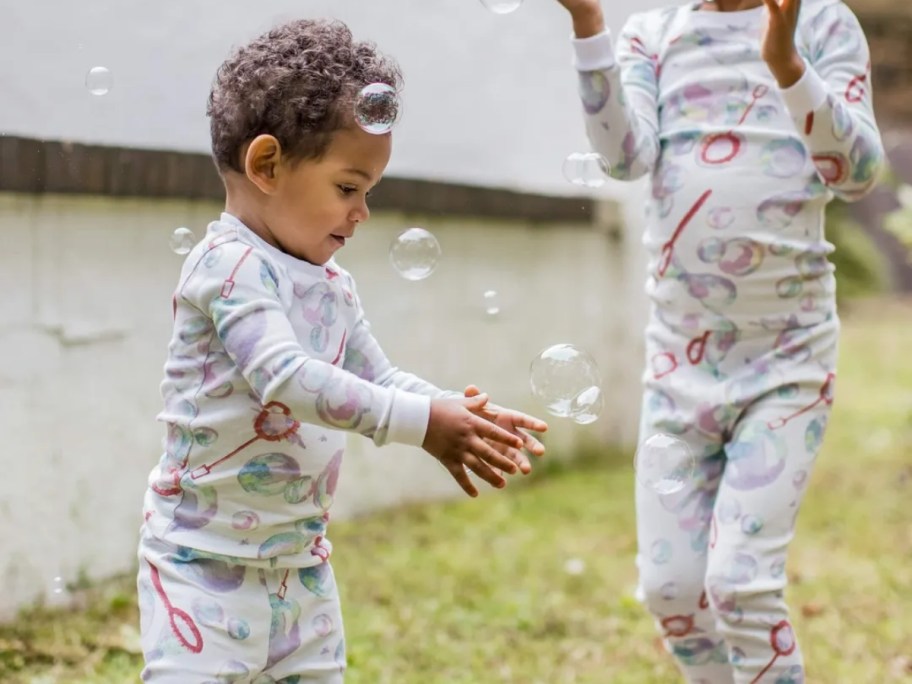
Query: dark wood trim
point(48, 166)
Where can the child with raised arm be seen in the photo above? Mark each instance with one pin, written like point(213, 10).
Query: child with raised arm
point(749, 116)
point(271, 362)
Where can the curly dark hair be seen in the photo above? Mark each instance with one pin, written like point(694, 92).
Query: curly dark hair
point(297, 82)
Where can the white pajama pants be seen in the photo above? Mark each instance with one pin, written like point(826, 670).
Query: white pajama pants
point(205, 620)
point(753, 408)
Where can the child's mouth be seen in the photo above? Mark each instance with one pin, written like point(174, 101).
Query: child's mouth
point(340, 239)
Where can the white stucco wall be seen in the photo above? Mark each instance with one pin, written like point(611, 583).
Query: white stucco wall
point(489, 99)
point(85, 320)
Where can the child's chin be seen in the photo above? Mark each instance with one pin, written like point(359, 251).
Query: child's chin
point(325, 256)
point(317, 257)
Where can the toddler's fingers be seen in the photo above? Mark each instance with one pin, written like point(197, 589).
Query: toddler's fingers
point(521, 460)
point(476, 403)
point(462, 479)
point(472, 391)
point(483, 451)
point(493, 432)
point(530, 423)
point(518, 456)
point(534, 447)
point(485, 472)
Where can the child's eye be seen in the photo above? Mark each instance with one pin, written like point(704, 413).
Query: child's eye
point(347, 189)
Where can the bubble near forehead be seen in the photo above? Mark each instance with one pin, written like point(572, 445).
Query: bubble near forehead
point(377, 108)
point(502, 6)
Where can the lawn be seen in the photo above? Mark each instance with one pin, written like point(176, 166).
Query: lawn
point(534, 585)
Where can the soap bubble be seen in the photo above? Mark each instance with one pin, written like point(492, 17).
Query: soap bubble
point(664, 464)
point(377, 108)
point(57, 591)
point(563, 377)
point(587, 170)
point(182, 241)
point(492, 307)
point(575, 566)
point(502, 6)
point(414, 253)
point(99, 81)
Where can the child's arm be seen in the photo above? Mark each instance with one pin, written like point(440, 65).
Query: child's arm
point(238, 291)
point(620, 94)
point(830, 102)
point(365, 358)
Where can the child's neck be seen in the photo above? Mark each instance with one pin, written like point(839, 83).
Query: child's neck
point(729, 5)
point(245, 202)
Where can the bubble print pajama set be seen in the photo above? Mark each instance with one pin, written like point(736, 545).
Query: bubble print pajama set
point(270, 362)
point(742, 336)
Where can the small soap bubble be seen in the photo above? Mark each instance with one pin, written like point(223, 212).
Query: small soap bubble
point(57, 591)
point(377, 108)
point(586, 169)
point(560, 375)
point(502, 6)
point(99, 81)
point(415, 253)
point(664, 464)
point(491, 303)
point(182, 241)
point(575, 566)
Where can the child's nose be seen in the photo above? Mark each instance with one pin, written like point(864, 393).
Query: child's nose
point(361, 214)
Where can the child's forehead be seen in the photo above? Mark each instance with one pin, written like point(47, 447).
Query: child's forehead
point(359, 150)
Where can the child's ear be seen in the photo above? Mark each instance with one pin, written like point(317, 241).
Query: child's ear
point(262, 161)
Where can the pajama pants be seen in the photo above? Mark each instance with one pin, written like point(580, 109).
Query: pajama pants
point(753, 407)
point(208, 621)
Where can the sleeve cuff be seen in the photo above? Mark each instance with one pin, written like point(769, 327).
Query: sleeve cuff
point(409, 418)
point(807, 95)
point(594, 53)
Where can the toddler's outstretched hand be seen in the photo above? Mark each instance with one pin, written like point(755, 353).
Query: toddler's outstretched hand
point(515, 423)
point(461, 439)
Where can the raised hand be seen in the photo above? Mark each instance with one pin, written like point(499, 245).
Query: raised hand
point(587, 16)
point(515, 423)
point(581, 6)
point(778, 43)
point(461, 439)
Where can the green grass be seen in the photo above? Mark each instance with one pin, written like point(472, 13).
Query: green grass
point(476, 592)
